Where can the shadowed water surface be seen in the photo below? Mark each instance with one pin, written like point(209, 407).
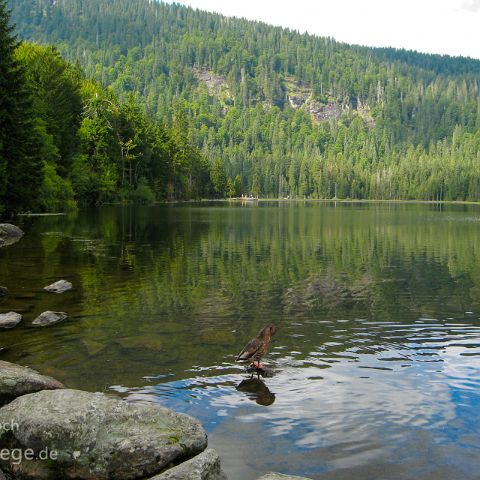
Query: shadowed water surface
point(376, 359)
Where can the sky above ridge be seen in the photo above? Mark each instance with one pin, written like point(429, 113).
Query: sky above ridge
point(435, 26)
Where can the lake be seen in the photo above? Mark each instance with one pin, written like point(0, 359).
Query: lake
point(376, 360)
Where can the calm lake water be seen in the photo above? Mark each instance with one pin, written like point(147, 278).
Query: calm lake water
point(376, 360)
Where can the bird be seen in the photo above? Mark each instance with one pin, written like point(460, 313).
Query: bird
point(256, 348)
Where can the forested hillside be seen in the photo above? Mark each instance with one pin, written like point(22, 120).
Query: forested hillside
point(273, 112)
point(66, 140)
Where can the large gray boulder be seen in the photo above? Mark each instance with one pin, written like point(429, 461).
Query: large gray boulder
point(59, 287)
point(16, 381)
point(9, 234)
point(93, 436)
point(49, 318)
point(205, 466)
point(280, 476)
point(10, 319)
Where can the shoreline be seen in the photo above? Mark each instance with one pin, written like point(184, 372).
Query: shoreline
point(319, 200)
point(259, 200)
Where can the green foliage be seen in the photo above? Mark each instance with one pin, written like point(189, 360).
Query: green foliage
point(288, 114)
point(189, 175)
point(94, 148)
point(218, 178)
point(143, 193)
point(56, 193)
point(20, 140)
point(80, 177)
point(55, 85)
point(237, 186)
point(230, 188)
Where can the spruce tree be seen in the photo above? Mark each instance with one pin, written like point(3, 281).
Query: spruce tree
point(21, 168)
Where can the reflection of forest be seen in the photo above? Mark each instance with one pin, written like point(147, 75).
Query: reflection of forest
point(165, 288)
point(286, 259)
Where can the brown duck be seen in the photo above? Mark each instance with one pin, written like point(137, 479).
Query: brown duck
point(256, 348)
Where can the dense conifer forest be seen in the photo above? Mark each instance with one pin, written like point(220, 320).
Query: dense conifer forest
point(141, 101)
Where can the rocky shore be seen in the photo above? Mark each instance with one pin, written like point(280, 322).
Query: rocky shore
point(50, 432)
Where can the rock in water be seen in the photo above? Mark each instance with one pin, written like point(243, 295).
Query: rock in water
point(280, 476)
point(205, 466)
point(16, 381)
point(9, 230)
point(10, 319)
point(3, 292)
point(96, 437)
point(49, 318)
point(9, 234)
point(59, 287)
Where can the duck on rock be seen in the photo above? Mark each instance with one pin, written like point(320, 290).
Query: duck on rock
point(256, 348)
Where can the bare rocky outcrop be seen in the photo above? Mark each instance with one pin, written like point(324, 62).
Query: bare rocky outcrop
point(300, 97)
point(213, 82)
point(217, 86)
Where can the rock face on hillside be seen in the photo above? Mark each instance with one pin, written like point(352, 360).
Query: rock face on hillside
point(215, 83)
point(9, 234)
point(16, 381)
point(96, 437)
point(300, 97)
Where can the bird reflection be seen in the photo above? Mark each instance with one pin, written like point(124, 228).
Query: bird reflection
point(255, 389)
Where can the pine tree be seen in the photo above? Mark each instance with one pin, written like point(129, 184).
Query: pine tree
point(218, 178)
point(237, 186)
point(21, 169)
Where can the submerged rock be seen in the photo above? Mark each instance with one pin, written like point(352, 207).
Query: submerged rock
point(3, 292)
point(205, 466)
point(16, 381)
point(10, 319)
point(143, 342)
point(9, 234)
point(49, 318)
point(59, 287)
point(96, 437)
point(280, 476)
